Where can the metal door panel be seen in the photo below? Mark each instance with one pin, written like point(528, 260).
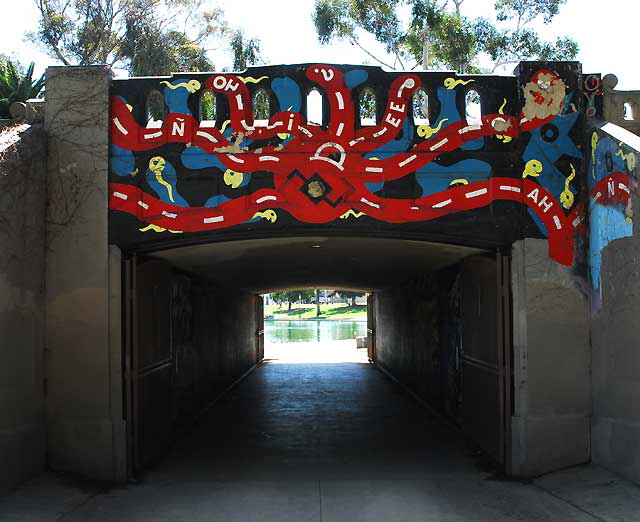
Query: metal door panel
point(486, 354)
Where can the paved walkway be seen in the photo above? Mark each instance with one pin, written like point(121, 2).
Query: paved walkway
point(318, 442)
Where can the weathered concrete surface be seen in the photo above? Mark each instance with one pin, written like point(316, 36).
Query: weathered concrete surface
point(616, 358)
point(412, 337)
point(324, 442)
point(22, 306)
point(552, 363)
point(595, 490)
point(84, 418)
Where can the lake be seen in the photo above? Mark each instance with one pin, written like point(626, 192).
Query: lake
point(287, 331)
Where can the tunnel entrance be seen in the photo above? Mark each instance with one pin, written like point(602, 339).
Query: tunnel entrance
point(438, 323)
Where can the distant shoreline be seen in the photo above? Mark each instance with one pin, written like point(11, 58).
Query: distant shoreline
point(320, 319)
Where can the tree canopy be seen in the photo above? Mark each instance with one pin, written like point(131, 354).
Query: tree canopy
point(292, 296)
point(145, 37)
point(438, 35)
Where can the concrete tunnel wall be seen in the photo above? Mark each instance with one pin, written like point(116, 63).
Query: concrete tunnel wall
point(417, 339)
point(213, 340)
point(22, 308)
point(616, 357)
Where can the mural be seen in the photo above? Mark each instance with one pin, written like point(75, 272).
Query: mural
point(612, 181)
point(519, 148)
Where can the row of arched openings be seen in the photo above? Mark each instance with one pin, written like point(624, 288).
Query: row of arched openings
point(367, 107)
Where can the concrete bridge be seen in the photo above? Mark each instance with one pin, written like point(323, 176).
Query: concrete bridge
point(490, 218)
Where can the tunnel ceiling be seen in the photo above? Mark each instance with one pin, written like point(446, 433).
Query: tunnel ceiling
point(265, 265)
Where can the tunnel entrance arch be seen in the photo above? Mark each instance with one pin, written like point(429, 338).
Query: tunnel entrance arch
point(195, 325)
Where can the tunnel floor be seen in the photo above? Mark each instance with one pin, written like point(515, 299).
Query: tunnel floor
point(321, 442)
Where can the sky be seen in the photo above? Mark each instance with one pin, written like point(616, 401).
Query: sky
point(605, 32)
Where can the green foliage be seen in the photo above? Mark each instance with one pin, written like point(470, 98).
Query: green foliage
point(147, 37)
point(436, 36)
point(350, 295)
point(292, 296)
point(16, 85)
point(245, 51)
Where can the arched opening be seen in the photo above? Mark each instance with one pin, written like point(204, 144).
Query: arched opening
point(628, 112)
point(315, 107)
point(155, 109)
point(420, 108)
point(473, 106)
point(208, 109)
point(261, 107)
point(368, 107)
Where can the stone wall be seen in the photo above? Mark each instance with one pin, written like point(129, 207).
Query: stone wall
point(552, 363)
point(616, 357)
point(22, 305)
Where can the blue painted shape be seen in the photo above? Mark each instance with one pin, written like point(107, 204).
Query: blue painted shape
point(288, 93)
point(548, 152)
point(196, 158)
point(169, 176)
point(216, 200)
point(449, 110)
point(606, 223)
point(389, 149)
point(122, 161)
point(176, 99)
point(606, 146)
point(434, 178)
point(356, 77)
point(374, 186)
point(393, 147)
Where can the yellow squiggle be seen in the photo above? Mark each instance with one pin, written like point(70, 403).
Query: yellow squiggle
point(533, 168)
point(191, 85)
point(566, 196)
point(156, 165)
point(156, 228)
point(269, 215)
point(460, 181)
point(424, 131)
point(630, 159)
point(251, 79)
point(353, 213)
point(501, 137)
point(450, 83)
point(224, 125)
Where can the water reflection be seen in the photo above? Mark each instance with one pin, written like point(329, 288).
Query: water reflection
point(287, 331)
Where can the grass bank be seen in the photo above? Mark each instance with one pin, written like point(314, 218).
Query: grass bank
point(335, 312)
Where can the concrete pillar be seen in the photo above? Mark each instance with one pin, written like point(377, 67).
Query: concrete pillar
point(616, 356)
point(552, 361)
point(84, 406)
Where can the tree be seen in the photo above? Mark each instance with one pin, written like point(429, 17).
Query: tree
point(350, 295)
point(292, 296)
point(438, 36)
point(17, 86)
point(317, 302)
point(143, 36)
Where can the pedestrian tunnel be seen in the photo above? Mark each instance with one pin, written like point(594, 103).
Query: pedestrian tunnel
point(438, 324)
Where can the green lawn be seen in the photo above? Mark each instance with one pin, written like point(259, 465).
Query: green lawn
point(337, 311)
